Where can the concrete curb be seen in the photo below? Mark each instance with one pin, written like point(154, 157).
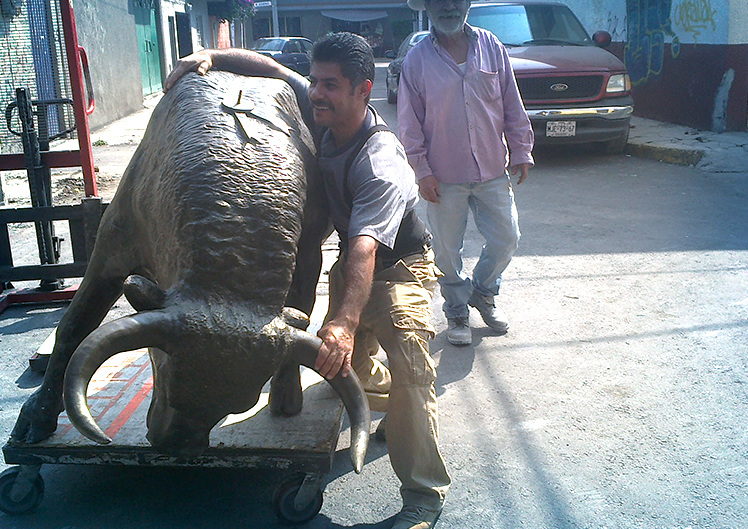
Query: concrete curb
point(673, 155)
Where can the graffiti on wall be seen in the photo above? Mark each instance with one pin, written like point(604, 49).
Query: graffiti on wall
point(601, 16)
point(649, 23)
point(695, 16)
point(616, 28)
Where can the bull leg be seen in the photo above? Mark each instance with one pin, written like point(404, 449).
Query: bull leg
point(38, 417)
point(286, 396)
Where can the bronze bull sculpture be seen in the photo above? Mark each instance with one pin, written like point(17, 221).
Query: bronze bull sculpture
point(203, 236)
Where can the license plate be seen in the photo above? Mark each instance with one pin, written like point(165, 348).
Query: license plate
point(560, 129)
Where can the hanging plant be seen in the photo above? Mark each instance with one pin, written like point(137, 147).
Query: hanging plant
point(231, 10)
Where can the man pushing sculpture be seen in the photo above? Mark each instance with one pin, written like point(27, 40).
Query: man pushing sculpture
point(381, 286)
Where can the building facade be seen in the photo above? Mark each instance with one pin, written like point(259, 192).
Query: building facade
point(688, 59)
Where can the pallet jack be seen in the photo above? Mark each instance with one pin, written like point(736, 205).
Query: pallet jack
point(37, 159)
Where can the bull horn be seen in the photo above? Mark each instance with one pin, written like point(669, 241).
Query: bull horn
point(146, 329)
point(305, 348)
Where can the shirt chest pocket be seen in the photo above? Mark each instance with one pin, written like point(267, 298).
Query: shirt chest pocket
point(488, 85)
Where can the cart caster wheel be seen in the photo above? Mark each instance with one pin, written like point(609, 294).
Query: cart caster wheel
point(284, 497)
point(28, 503)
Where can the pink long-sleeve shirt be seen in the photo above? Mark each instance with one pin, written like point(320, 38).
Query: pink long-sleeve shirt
point(457, 125)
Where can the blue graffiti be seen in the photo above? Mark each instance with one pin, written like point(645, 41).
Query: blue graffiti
point(648, 25)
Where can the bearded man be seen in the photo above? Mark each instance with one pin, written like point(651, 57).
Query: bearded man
point(460, 116)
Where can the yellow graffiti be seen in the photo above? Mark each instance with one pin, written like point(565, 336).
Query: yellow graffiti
point(694, 16)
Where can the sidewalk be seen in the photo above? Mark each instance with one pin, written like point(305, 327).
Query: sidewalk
point(725, 152)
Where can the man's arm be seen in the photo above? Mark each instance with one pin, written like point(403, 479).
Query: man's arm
point(410, 116)
point(517, 127)
point(236, 60)
point(337, 334)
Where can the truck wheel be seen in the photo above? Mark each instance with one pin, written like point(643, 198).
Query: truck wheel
point(26, 504)
point(616, 146)
point(283, 502)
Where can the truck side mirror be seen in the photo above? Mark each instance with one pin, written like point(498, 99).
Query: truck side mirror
point(602, 38)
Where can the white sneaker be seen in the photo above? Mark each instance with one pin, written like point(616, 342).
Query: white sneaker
point(458, 331)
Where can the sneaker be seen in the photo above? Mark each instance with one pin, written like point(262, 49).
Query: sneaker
point(412, 517)
point(492, 315)
point(458, 331)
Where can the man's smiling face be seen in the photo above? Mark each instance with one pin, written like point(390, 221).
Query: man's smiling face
point(334, 99)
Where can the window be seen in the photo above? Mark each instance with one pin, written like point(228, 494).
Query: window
point(287, 27)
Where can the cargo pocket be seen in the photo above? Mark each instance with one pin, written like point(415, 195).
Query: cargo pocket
point(413, 365)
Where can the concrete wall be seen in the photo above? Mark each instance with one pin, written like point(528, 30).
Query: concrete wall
point(198, 11)
point(107, 32)
point(688, 59)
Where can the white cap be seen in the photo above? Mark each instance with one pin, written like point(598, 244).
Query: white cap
point(417, 5)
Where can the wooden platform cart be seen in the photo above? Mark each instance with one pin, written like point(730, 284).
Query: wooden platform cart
point(302, 446)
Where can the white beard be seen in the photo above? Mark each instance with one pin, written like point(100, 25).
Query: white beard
point(449, 27)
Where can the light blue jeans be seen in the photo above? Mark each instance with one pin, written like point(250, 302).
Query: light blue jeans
point(495, 216)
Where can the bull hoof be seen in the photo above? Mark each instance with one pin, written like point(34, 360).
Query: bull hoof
point(286, 397)
point(36, 421)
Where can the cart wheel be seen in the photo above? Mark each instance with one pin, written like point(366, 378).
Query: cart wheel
point(27, 504)
point(283, 502)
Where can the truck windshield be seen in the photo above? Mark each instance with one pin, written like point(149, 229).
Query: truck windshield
point(518, 25)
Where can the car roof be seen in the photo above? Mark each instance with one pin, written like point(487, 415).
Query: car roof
point(283, 38)
point(477, 3)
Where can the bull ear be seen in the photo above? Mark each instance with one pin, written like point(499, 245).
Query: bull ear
point(147, 329)
point(304, 350)
point(296, 318)
point(143, 294)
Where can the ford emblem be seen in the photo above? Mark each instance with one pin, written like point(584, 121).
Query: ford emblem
point(559, 87)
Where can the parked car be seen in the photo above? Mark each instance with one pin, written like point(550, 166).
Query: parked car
point(292, 52)
point(574, 91)
point(393, 69)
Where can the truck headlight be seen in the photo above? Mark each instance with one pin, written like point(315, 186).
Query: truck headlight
point(617, 83)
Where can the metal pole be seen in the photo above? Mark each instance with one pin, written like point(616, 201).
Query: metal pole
point(74, 55)
point(276, 29)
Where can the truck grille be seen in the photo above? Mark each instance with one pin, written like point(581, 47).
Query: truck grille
point(579, 87)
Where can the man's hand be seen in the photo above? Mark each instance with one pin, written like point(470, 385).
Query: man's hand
point(336, 351)
point(523, 169)
point(428, 186)
point(199, 62)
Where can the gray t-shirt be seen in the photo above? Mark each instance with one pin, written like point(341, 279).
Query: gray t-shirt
point(381, 182)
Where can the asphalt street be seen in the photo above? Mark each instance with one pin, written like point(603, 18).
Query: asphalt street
point(617, 399)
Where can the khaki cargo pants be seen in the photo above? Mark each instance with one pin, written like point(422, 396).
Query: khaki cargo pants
point(398, 317)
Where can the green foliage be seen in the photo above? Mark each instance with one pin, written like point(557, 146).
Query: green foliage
point(231, 10)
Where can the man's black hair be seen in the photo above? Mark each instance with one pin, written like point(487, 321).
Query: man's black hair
point(350, 51)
